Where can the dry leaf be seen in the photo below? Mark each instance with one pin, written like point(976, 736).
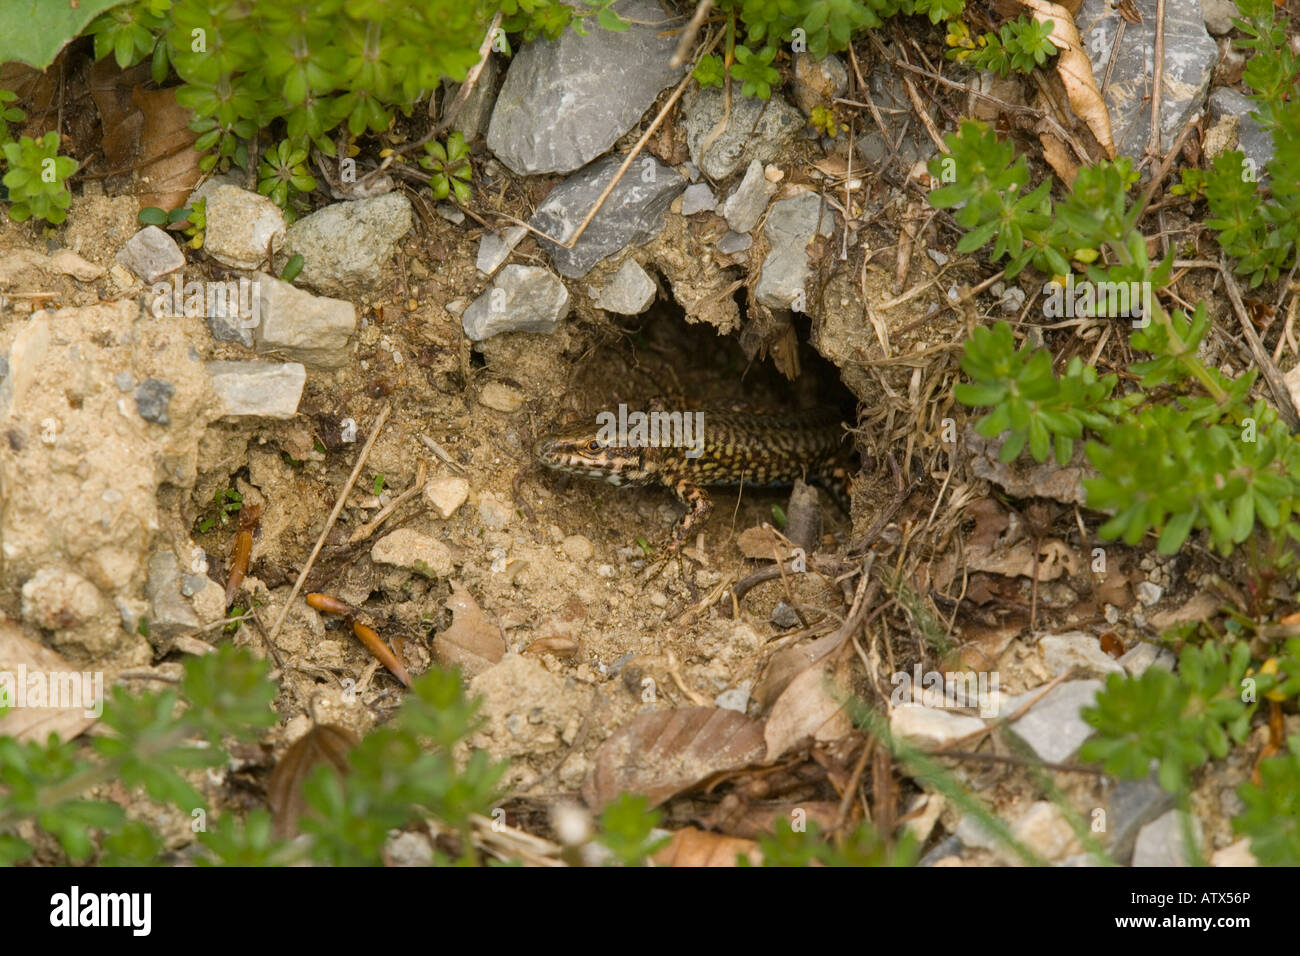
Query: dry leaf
point(761, 544)
point(473, 642)
point(664, 752)
point(692, 847)
point(1057, 156)
point(811, 706)
point(324, 743)
point(1075, 70)
point(170, 164)
point(31, 676)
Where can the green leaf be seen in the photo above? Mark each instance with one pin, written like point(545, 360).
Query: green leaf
point(34, 31)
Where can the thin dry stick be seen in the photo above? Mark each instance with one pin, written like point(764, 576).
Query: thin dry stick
point(1281, 396)
point(369, 527)
point(636, 150)
point(1153, 142)
point(484, 51)
point(688, 35)
point(329, 522)
point(618, 175)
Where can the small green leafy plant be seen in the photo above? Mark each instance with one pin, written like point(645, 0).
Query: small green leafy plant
point(284, 176)
point(226, 694)
point(36, 178)
point(450, 167)
point(1257, 227)
point(1020, 45)
point(1202, 457)
point(1178, 721)
point(861, 846)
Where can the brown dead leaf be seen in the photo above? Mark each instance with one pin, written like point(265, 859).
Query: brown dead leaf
point(812, 705)
point(473, 642)
point(664, 752)
point(122, 120)
point(1058, 156)
point(761, 544)
point(146, 131)
point(170, 169)
point(692, 847)
point(1024, 478)
point(1075, 70)
point(31, 675)
point(324, 743)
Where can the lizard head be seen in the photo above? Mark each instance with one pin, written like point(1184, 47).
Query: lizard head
point(579, 450)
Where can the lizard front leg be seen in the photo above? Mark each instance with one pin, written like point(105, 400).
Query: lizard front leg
point(698, 505)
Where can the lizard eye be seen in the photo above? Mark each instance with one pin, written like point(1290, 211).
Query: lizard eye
point(593, 445)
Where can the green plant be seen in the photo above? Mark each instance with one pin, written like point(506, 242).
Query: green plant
point(450, 166)
point(226, 694)
point(8, 114)
point(861, 846)
point(1271, 817)
point(1177, 720)
point(35, 179)
point(194, 217)
point(626, 826)
point(755, 71)
point(1020, 45)
point(1260, 229)
point(402, 773)
point(284, 174)
point(1201, 457)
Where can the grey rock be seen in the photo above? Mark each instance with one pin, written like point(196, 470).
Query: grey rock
point(495, 248)
point(151, 254)
point(1218, 15)
point(784, 616)
point(698, 198)
point(733, 243)
point(242, 227)
point(907, 141)
point(931, 727)
point(756, 130)
point(791, 225)
point(1053, 728)
point(1162, 842)
point(952, 846)
point(450, 212)
point(818, 82)
point(152, 396)
point(632, 214)
point(749, 200)
point(1190, 55)
point(169, 613)
point(1144, 655)
point(303, 327)
point(1132, 805)
point(973, 834)
point(1078, 650)
point(261, 389)
point(520, 299)
point(472, 118)
point(124, 381)
point(565, 101)
point(1252, 139)
point(629, 292)
point(735, 699)
point(346, 245)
